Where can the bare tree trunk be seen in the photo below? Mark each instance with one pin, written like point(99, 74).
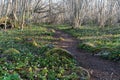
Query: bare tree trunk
point(15, 10)
point(7, 11)
point(23, 14)
point(2, 8)
point(50, 11)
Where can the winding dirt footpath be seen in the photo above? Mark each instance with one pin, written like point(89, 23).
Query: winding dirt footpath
point(99, 69)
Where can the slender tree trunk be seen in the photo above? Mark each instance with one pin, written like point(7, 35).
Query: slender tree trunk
point(23, 14)
point(7, 11)
point(15, 12)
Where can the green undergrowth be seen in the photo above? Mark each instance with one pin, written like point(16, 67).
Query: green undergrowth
point(30, 55)
point(48, 66)
point(104, 42)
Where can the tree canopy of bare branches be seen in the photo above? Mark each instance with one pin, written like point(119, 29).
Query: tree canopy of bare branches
point(73, 12)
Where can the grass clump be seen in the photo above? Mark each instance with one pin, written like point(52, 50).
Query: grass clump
point(60, 52)
point(88, 46)
point(11, 51)
point(31, 42)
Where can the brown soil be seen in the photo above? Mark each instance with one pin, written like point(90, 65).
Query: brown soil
point(99, 68)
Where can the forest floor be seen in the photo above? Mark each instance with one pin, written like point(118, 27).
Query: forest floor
point(100, 69)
